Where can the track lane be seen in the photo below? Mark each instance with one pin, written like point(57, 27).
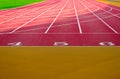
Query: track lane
point(113, 21)
point(30, 6)
point(70, 28)
point(103, 4)
point(23, 11)
point(56, 17)
point(22, 20)
point(63, 24)
point(91, 27)
point(45, 22)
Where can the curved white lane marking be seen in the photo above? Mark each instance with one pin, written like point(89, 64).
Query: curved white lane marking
point(21, 10)
point(20, 15)
point(104, 10)
point(33, 19)
point(93, 2)
point(100, 19)
point(84, 21)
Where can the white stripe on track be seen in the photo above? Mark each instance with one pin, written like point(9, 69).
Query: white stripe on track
point(99, 18)
point(19, 16)
point(12, 12)
point(56, 17)
point(103, 10)
point(23, 9)
point(78, 21)
point(104, 4)
point(32, 19)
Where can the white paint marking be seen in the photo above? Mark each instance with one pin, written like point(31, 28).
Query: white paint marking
point(15, 44)
point(105, 6)
point(106, 43)
point(100, 18)
point(62, 25)
point(78, 21)
point(91, 20)
point(19, 16)
point(56, 17)
point(31, 20)
point(60, 44)
point(12, 12)
point(22, 9)
point(104, 10)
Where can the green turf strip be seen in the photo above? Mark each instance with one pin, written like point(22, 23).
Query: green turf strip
point(5, 4)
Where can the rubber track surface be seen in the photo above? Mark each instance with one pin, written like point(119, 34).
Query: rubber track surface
point(61, 23)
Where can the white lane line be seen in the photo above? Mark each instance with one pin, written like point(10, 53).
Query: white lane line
point(78, 21)
point(104, 5)
point(99, 18)
point(58, 33)
point(103, 12)
point(63, 25)
point(15, 12)
point(68, 10)
point(20, 15)
point(56, 17)
point(91, 15)
point(23, 9)
point(103, 9)
point(12, 12)
point(32, 19)
point(84, 21)
point(91, 20)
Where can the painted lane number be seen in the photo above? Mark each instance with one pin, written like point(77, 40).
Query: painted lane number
point(106, 44)
point(60, 44)
point(15, 44)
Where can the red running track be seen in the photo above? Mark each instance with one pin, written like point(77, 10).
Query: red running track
point(61, 23)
